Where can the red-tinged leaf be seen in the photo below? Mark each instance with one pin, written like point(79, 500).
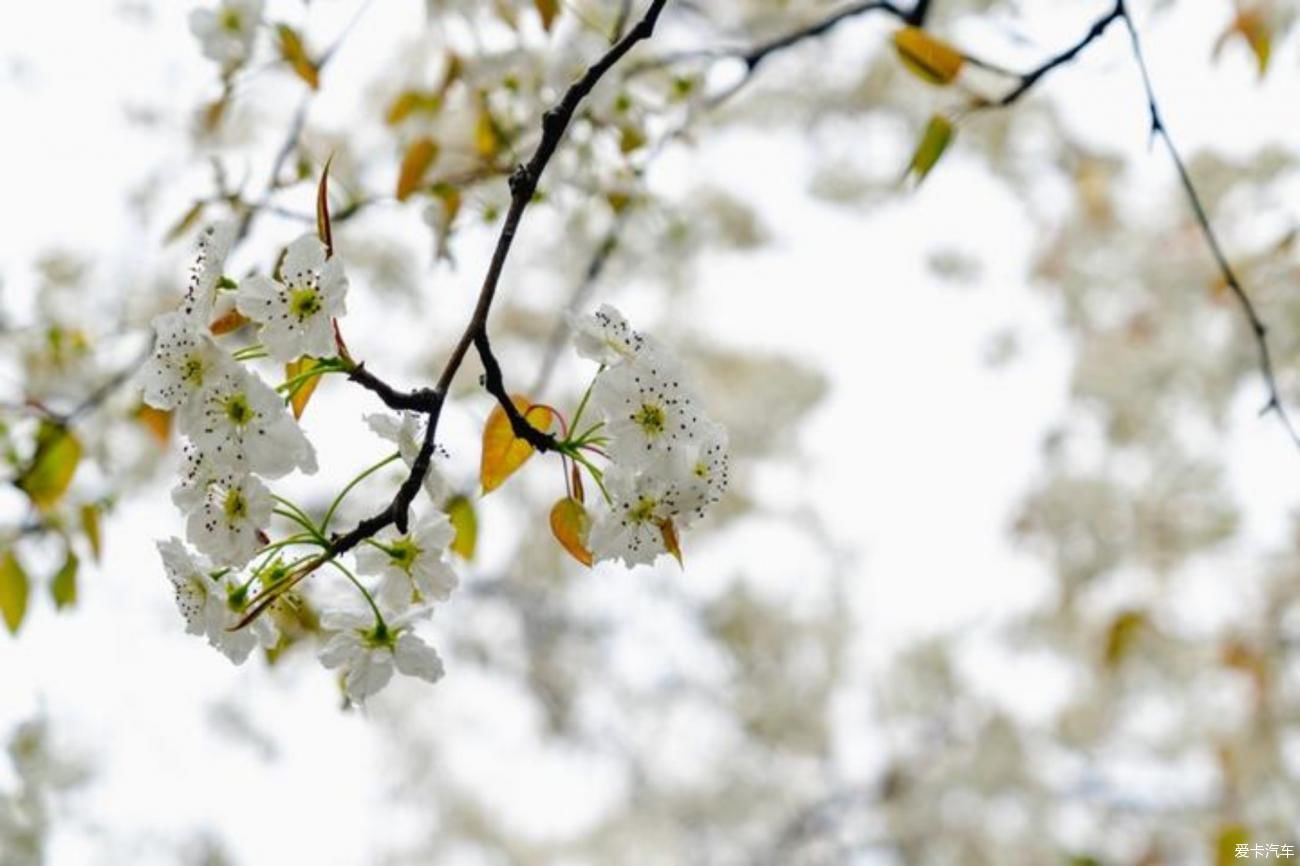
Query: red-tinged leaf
point(548, 10)
point(55, 462)
point(294, 53)
point(323, 228)
point(157, 422)
point(503, 452)
point(231, 321)
point(938, 135)
point(302, 392)
point(460, 511)
point(575, 481)
point(90, 528)
point(672, 543)
point(416, 161)
point(13, 591)
point(63, 587)
point(571, 525)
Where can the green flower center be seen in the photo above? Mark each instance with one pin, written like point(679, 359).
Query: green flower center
point(235, 506)
point(304, 303)
point(644, 510)
point(238, 410)
point(403, 553)
point(651, 419)
point(232, 21)
point(379, 636)
point(192, 370)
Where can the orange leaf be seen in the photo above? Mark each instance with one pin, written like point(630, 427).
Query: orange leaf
point(415, 164)
point(232, 321)
point(671, 541)
point(156, 421)
point(503, 452)
point(293, 51)
point(570, 526)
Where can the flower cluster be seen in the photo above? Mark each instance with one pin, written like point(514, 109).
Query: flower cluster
point(240, 434)
point(668, 459)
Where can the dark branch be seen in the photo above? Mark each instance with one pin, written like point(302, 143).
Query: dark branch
point(756, 55)
point(1033, 76)
point(422, 400)
point(495, 385)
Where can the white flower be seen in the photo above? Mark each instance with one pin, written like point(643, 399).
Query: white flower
point(407, 433)
point(648, 410)
point(227, 524)
point(184, 357)
point(212, 606)
point(632, 530)
point(239, 423)
point(604, 336)
point(205, 276)
point(368, 650)
point(411, 567)
point(196, 471)
point(227, 32)
point(704, 470)
point(296, 314)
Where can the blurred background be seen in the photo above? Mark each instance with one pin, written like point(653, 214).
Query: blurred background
point(1008, 570)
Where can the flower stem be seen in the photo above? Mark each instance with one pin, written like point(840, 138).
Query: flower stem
point(338, 500)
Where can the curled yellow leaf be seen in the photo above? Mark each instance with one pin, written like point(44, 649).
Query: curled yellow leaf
point(930, 59)
point(503, 452)
point(570, 525)
point(302, 392)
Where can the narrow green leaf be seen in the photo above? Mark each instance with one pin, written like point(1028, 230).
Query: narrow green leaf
point(47, 478)
point(64, 585)
point(13, 591)
point(938, 135)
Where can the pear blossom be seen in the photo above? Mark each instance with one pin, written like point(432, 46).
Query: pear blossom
point(605, 337)
point(411, 567)
point(367, 649)
point(407, 433)
point(241, 424)
point(214, 245)
point(632, 530)
point(647, 408)
point(296, 312)
point(705, 471)
point(184, 357)
point(211, 605)
point(227, 32)
point(196, 471)
point(227, 524)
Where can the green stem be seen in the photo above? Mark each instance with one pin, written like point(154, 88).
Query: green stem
point(249, 353)
point(596, 475)
point(370, 600)
point(582, 404)
point(292, 385)
point(338, 500)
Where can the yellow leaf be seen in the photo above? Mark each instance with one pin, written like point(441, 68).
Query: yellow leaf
point(293, 51)
point(232, 321)
point(1252, 26)
point(415, 164)
point(570, 525)
point(63, 587)
point(185, 223)
point(938, 135)
point(487, 143)
point(503, 453)
point(90, 527)
point(671, 542)
point(1225, 847)
point(13, 591)
point(409, 102)
point(57, 454)
point(302, 392)
point(931, 59)
point(460, 511)
point(156, 421)
point(1122, 635)
point(548, 9)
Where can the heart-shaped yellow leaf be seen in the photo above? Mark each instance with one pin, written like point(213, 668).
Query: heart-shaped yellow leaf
point(570, 525)
point(13, 591)
point(930, 59)
point(47, 478)
point(503, 452)
point(302, 392)
point(460, 511)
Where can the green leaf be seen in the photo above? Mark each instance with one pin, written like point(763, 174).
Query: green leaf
point(64, 585)
point(13, 591)
point(1225, 847)
point(460, 511)
point(938, 135)
point(90, 527)
point(47, 478)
